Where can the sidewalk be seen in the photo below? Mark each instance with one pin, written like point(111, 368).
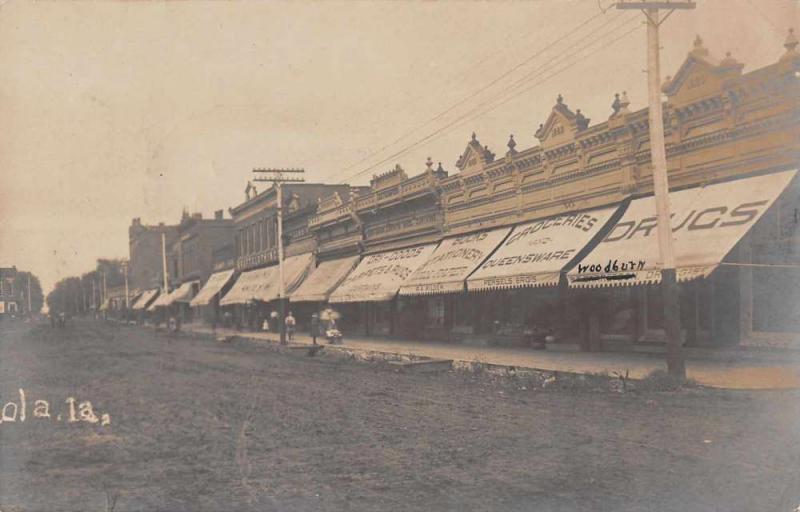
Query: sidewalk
point(719, 374)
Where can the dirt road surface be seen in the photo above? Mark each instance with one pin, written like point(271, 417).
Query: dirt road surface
point(197, 425)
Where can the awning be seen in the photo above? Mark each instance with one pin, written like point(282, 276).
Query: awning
point(451, 263)
point(250, 286)
point(145, 299)
point(162, 299)
point(379, 276)
point(295, 270)
point(324, 279)
point(105, 304)
point(535, 252)
point(213, 286)
point(706, 224)
point(184, 293)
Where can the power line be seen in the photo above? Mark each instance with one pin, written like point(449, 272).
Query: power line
point(469, 115)
point(480, 90)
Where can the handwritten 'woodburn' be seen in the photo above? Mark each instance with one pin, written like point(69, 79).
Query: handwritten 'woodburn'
point(18, 411)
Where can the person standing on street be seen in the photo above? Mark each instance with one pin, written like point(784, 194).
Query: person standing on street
point(290, 325)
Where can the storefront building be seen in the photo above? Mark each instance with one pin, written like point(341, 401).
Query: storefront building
point(252, 298)
point(401, 223)
point(730, 136)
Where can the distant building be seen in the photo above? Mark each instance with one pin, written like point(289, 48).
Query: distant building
point(144, 243)
point(191, 256)
point(8, 295)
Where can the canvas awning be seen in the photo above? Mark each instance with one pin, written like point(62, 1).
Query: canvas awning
point(184, 292)
point(535, 252)
point(213, 286)
point(105, 304)
point(295, 270)
point(707, 222)
point(162, 299)
point(379, 276)
point(250, 286)
point(324, 279)
point(144, 300)
point(451, 263)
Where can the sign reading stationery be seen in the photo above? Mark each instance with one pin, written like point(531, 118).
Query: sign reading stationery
point(534, 253)
point(451, 263)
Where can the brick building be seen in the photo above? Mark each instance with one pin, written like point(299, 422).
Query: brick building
point(145, 253)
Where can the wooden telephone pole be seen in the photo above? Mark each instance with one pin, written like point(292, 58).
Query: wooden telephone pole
point(658, 159)
point(277, 178)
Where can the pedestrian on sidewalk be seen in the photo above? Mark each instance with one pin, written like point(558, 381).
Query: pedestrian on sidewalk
point(290, 325)
point(314, 328)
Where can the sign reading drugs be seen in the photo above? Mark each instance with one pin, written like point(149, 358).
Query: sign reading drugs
point(535, 253)
point(379, 276)
point(706, 223)
point(451, 263)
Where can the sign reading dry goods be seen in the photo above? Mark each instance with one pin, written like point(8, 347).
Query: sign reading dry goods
point(451, 263)
point(706, 224)
point(379, 276)
point(535, 253)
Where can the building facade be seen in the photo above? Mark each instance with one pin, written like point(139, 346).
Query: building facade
point(145, 253)
point(9, 297)
point(721, 125)
point(197, 241)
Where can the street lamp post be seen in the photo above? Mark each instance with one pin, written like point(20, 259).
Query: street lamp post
point(277, 178)
point(658, 159)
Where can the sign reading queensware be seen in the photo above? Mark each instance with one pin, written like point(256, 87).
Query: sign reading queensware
point(379, 276)
point(451, 263)
point(534, 253)
point(706, 223)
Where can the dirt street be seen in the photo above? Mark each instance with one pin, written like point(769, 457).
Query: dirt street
point(198, 425)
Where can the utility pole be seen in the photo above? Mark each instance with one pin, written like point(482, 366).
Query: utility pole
point(29, 294)
point(165, 284)
point(658, 161)
point(127, 300)
point(277, 178)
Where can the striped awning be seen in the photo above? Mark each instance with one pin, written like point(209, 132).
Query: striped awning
point(707, 222)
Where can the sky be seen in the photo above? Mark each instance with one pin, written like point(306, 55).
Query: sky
point(116, 110)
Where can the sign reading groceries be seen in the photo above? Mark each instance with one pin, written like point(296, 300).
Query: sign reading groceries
point(535, 253)
point(452, 262)
point(378, 277)
point(706, 223)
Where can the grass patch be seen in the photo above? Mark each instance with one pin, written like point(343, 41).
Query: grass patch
point(660, 380)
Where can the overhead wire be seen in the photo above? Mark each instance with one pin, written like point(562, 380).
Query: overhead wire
point(509, 92)
point(483, 88)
